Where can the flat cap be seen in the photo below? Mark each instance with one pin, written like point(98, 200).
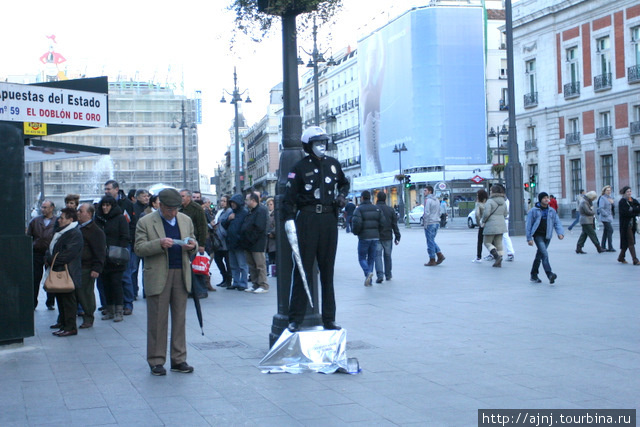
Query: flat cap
point(170, 197)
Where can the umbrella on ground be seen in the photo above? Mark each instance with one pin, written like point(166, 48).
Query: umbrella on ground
point(196, 302)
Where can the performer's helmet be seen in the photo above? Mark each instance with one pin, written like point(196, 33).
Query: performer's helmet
point(312, 134)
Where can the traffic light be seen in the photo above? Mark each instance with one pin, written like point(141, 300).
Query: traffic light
point(532, 181)
point(407, 181)
point(526, 186)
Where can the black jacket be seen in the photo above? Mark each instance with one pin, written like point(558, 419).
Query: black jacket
point(234, 226)
point(254, 229)
point(95, 245)
point(391, 223)
point(69, 249)
point(116, 231)
point(368, 221)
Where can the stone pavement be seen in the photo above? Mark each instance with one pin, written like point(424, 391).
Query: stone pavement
point(435, 344)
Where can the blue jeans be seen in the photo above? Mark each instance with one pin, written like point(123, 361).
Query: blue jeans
point(127, 282)
point(384, 248)
point(239, 267)
point(430, 232)
point(367, 254)
point(576, 221)
point(542, 256)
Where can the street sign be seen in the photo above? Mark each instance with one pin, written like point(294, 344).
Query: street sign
point(441, 186)
point(31, 128)
point(28, 103)
point(477, 179)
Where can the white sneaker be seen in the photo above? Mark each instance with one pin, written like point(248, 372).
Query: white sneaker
point(476, 260)
point(261, 291)
point(250, 290)
point(510, 257)
point(488, 258)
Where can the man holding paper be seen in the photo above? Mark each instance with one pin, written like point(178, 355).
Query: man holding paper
point(165, 239)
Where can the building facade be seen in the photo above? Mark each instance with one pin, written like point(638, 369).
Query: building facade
point(146, 143)
point(577, 92)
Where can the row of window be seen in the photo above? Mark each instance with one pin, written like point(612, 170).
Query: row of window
point(606, 169)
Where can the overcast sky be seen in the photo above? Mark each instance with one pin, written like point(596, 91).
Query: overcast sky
point(190, 37)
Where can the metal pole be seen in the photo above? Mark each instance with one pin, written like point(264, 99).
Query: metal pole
point(183, 126)
point(316, 91)
point(513, 169)
point(236, 96)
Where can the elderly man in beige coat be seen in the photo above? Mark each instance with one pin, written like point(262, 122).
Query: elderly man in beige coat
point(165, 239)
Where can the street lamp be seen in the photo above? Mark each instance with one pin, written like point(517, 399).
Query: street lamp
point(399, 149)
point(236, 96)
point(183, 126)
point(316, 58)
point(500, 132)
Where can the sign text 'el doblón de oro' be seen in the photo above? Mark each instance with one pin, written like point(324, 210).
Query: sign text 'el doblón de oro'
point(20, 103)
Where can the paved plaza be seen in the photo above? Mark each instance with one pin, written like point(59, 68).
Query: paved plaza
point(435, 344)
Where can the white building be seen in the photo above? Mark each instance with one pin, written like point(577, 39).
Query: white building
point(577, 92)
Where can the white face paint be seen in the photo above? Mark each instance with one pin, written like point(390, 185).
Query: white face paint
point(319, 148)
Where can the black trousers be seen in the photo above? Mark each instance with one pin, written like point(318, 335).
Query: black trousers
point(480, 242)
point(67, 310)
point(222, 261)
point(318, 240)
point(113, 290)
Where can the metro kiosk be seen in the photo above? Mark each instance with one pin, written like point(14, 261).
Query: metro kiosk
point(27, 111)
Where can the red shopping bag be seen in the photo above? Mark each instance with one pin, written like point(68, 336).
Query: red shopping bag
point(201, 264)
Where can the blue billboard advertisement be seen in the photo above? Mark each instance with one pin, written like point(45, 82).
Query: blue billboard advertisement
point(422, 84)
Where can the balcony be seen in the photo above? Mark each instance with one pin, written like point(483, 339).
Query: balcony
point(531, 100)
point(633, 74)
point(572, 138)
point(572, 90)
point(345, 133)
point(353, 161)
point(531, 145)
point(503, 105)
point(602, 82)
point(603, 133)
point(634, 128)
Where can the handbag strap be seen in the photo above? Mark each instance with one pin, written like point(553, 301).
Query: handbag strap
point(53, 261)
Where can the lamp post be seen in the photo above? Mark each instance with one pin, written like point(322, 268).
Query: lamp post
point(513, 169)
point(399, 149)
point(316, 58)
point(236, 96)
point(183, 126)
point(500, 132)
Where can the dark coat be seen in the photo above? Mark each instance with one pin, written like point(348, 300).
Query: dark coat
point(127, 209)
point(69, 250)
point(368, 221)
point(199, 219)
point(234, 226)
point(41, 233)
point(271, 232)
point(95, 247)
point(254, 229)
point(116, 230)
point(628, 210)
point(391, 224)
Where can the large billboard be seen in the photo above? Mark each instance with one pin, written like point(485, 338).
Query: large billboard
point(422, 84)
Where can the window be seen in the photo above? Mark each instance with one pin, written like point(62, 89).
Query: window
point(637, 172)
point(503, 68)
point(606, 166)
point(604, 131)
point(576, 177)
point(531, 93)
point(603, 54)
point(573, 132)
point(634, 69)
point(531, 142)
point(572, 89)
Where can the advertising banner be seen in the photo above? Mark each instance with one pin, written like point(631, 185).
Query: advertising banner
point(39, 104)
point(422, 84)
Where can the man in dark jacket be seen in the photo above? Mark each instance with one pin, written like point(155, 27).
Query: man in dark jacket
point(237, 257)
point(349, 209)
point(386, 238)
point(41, 230)
point(254, 234)
point(368, 223)
point(93, 258)
point(199, 219)
point(141, 203)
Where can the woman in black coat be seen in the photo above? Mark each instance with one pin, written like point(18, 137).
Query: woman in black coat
point(67, 244)
point(109, 217)
point(628, 208)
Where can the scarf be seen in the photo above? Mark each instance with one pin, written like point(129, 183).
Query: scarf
point(59, 234)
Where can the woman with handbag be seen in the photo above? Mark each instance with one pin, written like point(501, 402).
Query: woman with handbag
point(628, 209)
point(109, 217)
point(65, 255)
